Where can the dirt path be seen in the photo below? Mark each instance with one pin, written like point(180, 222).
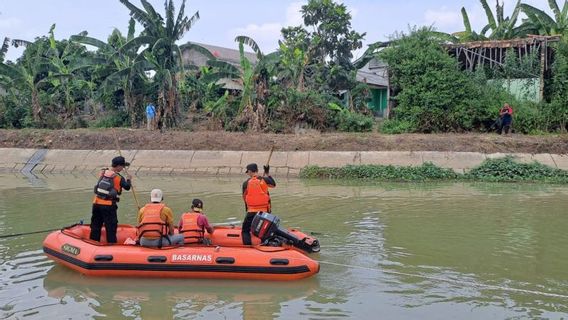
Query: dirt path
point(102, 139)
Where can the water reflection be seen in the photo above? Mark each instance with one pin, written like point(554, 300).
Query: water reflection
point(395, 250)
point(168, 299)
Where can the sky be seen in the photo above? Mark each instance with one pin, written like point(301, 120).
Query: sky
point(222, 20)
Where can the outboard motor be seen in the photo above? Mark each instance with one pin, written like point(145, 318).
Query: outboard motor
point(266, 227)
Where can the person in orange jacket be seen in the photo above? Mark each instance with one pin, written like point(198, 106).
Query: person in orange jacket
point(156, 223)
point(256, 197)
point(194, 223)
point(107, 191)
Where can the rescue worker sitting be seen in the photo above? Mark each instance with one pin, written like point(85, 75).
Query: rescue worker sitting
point(193, 224)
point(156, 223)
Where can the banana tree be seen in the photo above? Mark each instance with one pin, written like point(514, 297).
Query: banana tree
point(158, 42)
point(498, 26)
point(26, 78)
point(545, 24)
point(255, 80)
point(468, 34)
point(119, 68)
point(66, 70)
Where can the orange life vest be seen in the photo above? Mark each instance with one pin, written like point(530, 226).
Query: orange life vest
point(152, 226)
point(257, 197)
point(192, 232)
point(116, 178)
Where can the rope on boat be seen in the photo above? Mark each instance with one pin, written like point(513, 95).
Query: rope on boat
point(460, 282)
point(26, 233)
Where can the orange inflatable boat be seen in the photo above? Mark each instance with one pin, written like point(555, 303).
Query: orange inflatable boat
point(225, 258)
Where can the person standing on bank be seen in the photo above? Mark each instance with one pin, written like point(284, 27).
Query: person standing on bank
point(156, 223)
point(256, 197)
point(506, 116)
point(107, 192)
point(150, 116)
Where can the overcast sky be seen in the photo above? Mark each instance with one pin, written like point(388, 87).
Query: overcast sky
point(222, 20)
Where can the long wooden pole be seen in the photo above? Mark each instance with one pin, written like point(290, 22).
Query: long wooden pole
point(125, 170)
point(270, 155)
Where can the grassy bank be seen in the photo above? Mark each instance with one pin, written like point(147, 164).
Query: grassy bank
point(491, 170)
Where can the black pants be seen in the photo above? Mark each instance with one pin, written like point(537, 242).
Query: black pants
point(104, 215)
point(245, 232)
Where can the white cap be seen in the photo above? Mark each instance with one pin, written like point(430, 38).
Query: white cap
point(156, 195)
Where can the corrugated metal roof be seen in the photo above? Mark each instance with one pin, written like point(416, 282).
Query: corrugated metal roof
point(229, 55)
point(512, 43)
point(374, 73)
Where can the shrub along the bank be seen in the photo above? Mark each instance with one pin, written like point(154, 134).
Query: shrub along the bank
point(491, 170)
point(426, 172)
point(507, 170)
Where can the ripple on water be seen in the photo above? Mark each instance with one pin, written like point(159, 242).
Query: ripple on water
point(398, 250)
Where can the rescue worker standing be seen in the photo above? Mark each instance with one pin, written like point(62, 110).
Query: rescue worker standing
point(193, 224)
point(107, 192)
point(156, 223)
point(256, 197)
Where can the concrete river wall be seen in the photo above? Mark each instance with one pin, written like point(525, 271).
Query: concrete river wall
point(174, 162)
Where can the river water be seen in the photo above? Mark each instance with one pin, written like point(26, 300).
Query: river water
point(389, 251)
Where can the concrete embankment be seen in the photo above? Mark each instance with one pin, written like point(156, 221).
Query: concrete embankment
point(174, 162)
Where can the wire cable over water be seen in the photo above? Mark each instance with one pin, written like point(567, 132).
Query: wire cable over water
point(467, 283)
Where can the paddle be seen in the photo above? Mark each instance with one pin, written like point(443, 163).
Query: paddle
point(125, 170)
point(234, 223)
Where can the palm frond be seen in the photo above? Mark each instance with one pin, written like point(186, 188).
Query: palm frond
point(466, 22)
point(523, 30)
point(4, 48)
point(484, 30)
point(137, 42)
point(500, 13)
point(170, 11)
point(52, 42)
point(131, 29)
point(251, 43)
point(555, 9)
point(159, 44)
point(538, 17)
point(11, 72)
point(515, 14)
point(138, 14)
point(90, 41)
point(223, 66)
point(198, 48)
point(185, 25)
point(20, 43)
point(180, 17)
point(489, 14)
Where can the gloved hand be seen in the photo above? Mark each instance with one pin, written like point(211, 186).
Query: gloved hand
point(266, 169)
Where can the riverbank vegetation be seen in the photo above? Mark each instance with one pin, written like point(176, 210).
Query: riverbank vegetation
point(310, 82)
point(491, 170)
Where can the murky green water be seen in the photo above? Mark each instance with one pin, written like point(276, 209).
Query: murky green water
point(389, 251)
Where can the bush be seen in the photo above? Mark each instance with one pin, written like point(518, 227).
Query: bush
point(491, 170)
point(426, 172)
point(288, 107)
point(354, 122)
point(113, 119)
point(13, 115)
point(394, 126)
point(431, 91)
point(507, 170)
